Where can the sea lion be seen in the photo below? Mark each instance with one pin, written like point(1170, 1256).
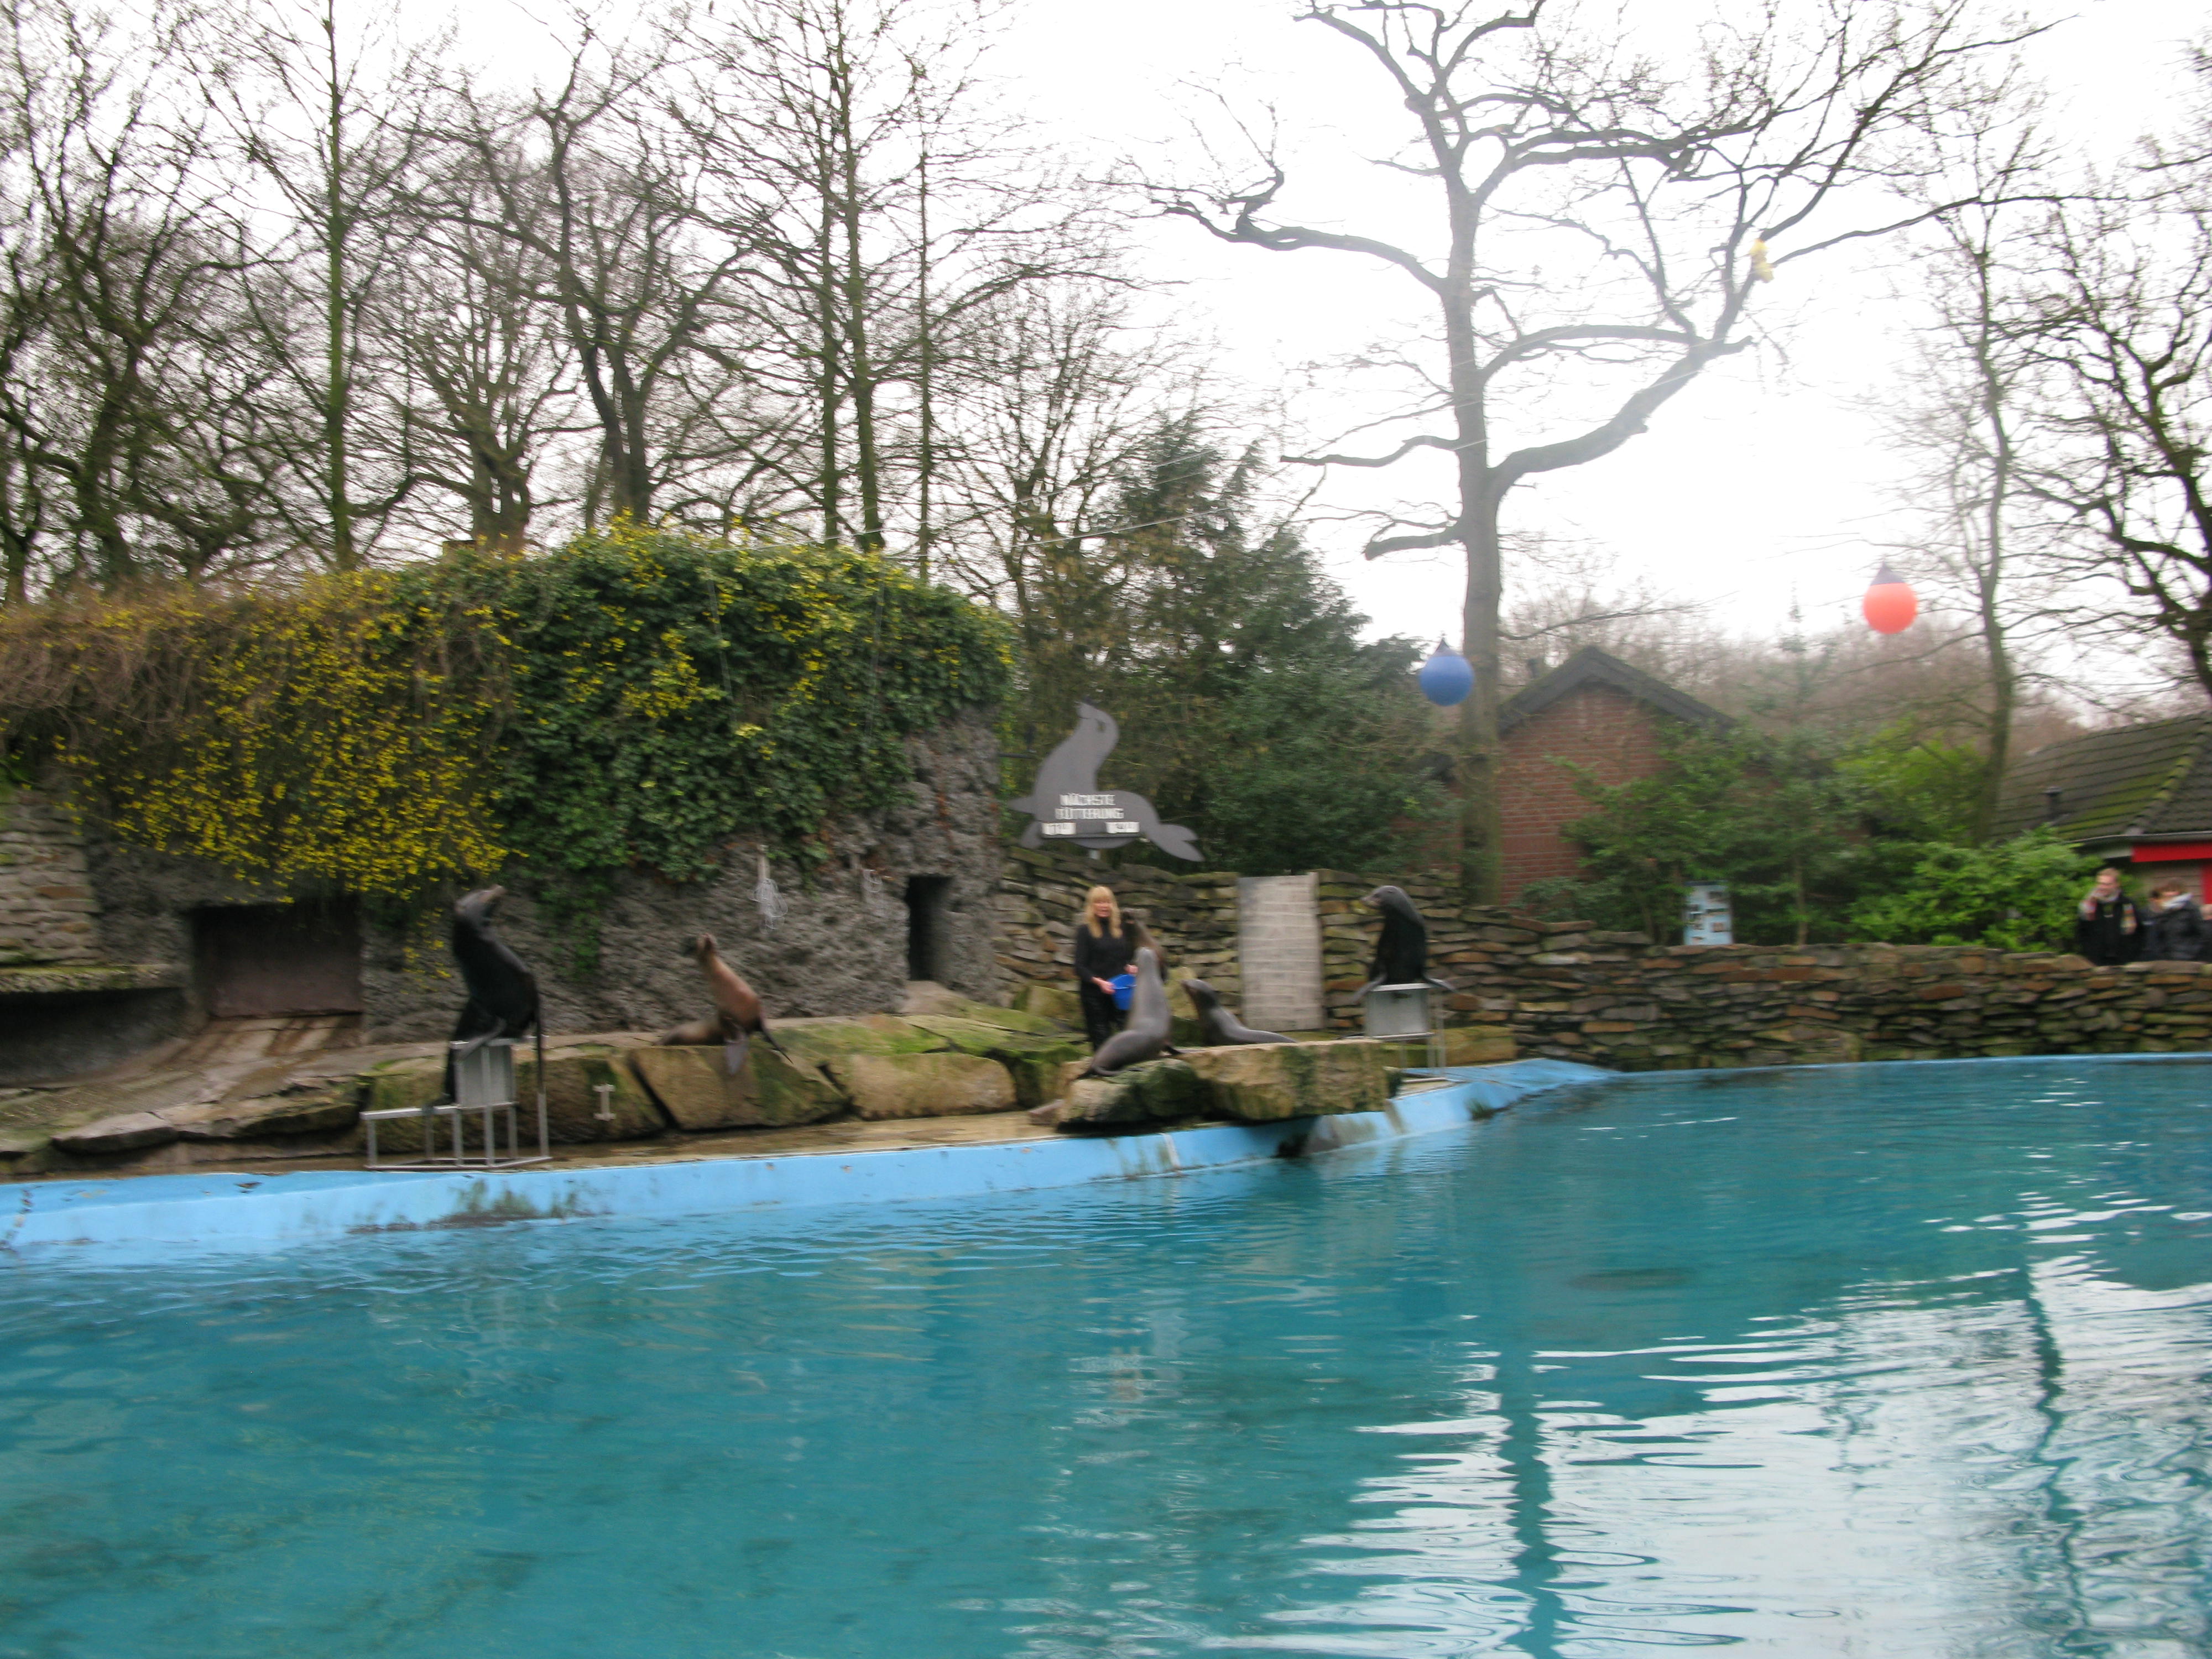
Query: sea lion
point(1146, 1036)
point(1072, 768)
point(1402, 954)
point(1221, 1027)
point(502, 1001)
point(737, 1015)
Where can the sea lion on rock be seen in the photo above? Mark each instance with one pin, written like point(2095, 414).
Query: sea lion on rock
point(1402, 955)
point(502, 999)
point(1221, 1027)
point(737, 1013)
point(1146, 1036)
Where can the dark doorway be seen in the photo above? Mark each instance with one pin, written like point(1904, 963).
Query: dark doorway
point(258, 960)
point(928, 927)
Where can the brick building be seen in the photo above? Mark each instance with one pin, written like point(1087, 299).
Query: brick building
point(1593, 716)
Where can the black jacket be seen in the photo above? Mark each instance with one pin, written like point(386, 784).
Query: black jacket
point(2113, 932)
point(1101, 955)
point(2176, 933)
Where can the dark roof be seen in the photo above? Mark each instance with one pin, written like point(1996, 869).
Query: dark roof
point(2136, 780)
point(1591, 667)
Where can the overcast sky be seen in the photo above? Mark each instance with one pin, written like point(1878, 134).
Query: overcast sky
point(1763, 484)
point(1765, 481)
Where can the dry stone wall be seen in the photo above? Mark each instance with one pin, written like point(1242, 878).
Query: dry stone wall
point(1574, 991)
point(47, 911)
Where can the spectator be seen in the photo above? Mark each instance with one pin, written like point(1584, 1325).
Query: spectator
point(2175, 929)
point(2109, 928)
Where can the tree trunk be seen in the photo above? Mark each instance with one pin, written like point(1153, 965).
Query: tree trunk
point(338, 388)
point(1481, 820)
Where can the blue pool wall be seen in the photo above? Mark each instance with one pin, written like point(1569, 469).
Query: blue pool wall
point(249, 1212)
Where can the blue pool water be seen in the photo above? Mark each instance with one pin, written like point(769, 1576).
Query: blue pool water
point(1881, 1361)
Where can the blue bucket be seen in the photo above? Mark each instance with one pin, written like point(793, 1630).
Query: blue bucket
point(1125, 988)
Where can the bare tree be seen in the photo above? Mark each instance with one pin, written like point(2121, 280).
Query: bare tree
point(137, 421)
point(1550, 147)
point(2124, 434)
point(1979, 379)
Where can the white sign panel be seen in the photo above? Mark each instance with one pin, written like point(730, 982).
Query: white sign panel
point(1707, 917)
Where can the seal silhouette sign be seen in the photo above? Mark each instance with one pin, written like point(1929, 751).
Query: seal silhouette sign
point(1067, 808)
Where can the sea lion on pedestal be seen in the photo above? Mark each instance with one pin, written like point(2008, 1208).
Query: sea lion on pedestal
point(1222, 1028)
point(737, 1015)
point(1146, 1036)
point(1402, 955)
point(502, 999)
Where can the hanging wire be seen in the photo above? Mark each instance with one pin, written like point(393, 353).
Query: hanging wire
point(772, 910)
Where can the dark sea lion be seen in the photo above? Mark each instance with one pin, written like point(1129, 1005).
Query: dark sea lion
point(1402, 955)
point(1146, 1036)
point(1221, 1027)
point(737, 1017)
point(502, 1001)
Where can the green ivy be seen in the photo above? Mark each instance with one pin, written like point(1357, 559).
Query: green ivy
point(636, 699)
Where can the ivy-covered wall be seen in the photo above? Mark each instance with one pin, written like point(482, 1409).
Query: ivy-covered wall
point(632, 700)
point(620, 731)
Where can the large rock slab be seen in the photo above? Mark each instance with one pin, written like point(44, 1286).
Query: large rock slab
point(1034, 1060)
point(572, 1072)
point(127, 1132)
point(943, 1084)
point(1054, 1002)
point(1158, 1091)
point(1478, 1045)
point(769, 1091)
point(1017, 1019)
point(818, 1041)
point(309, 1112)
point(1268, 1082)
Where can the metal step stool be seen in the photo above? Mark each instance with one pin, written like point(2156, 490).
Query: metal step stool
point(484, 1084)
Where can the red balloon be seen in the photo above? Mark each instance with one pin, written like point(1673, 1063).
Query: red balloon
point(1890, 604)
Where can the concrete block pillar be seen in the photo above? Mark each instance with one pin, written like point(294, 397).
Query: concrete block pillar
point(1279, 951)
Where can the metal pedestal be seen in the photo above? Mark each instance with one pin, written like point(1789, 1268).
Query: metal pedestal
point(483, 1088)
point(1405, 1014)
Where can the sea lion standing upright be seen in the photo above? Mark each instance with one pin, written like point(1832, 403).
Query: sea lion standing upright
point(502, 1000)
point(1222, 1028)
point(1146, 1036)
point(737, 1015)
point(1402, 954)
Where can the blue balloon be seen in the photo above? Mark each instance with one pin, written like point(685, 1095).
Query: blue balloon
point(1446, 677)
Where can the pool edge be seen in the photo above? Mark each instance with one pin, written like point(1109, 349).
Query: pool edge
point(42, 1216)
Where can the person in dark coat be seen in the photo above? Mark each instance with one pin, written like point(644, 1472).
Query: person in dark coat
point(2176, 930)
point(2109, 928)
point(1103, 950)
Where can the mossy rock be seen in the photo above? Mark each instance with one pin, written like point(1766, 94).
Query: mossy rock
point(1034, 1060)
point(942, 1085)
point(1270, 1082)
point(573, 1071)
point(819, 1041)
point(1158, 1091)
point(1054, 1002)
point(695, 1088)
point(1478, 1045)
point(1016, 1019)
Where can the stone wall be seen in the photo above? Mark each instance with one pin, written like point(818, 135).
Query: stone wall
point(47, 912)
point(1570, 991)
point(841, 948)
point(1041, 894)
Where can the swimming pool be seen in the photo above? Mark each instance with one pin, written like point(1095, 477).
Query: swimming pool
point(1894, 1360)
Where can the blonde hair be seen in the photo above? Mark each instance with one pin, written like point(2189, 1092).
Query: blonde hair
point(1114, 918)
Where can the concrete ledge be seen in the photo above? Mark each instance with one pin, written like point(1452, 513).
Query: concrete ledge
point(245, 1212)
point(88, 978)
